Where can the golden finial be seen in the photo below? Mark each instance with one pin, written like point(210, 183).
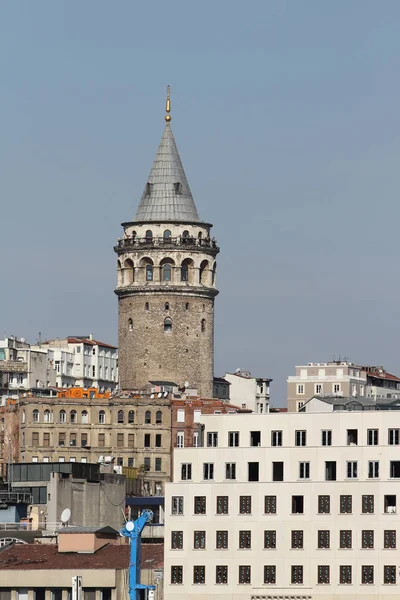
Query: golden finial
point(168, 105)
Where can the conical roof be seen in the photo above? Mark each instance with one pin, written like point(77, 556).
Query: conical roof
point(167, 195)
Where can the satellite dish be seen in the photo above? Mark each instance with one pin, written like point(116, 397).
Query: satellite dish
point(165, 394)
point(152, 396)
point(159, 395)
point(65, 515)
point(129, 526)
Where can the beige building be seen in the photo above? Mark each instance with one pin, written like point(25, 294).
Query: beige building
point(335, 378)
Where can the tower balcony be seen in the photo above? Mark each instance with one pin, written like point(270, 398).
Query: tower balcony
point(188, 243)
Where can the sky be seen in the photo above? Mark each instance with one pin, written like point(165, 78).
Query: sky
point(286, 116)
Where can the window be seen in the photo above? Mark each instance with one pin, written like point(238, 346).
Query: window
point(146, 463)
point(149, 272)
point(367, 574)
point(221, 540)
point(253, 471)
point(318, 388)
point(147, 439)
point(297, 539)
point(166, 234)
point(102, 417)
point(222, 505)
point(346, 504)
point(186, 471)
point(394, 437)
point(149, 233)
point(389, 538)
point(270, 505)
point(35, 438)
point(304, 470)
point(147, 417)
point(166, 272)
point(270, 574)
point(185, 272)
point(131, 440)
point(158, 440)
point(245, 540)
point(221, 574)
point(324, 539)
point(324, 504)
point(102, 440)
point(131, 461)
point(85, 417)
point(178, 188)
point(208, 471)
point(277, 471)
point(146, 306)
point(394, 468)
point(46, 439)
point(196, 416)
point(367, 538)
point(367, 504)
point(131, 416)
point(199, 505)
point(345, 538)
point(63, 416)
point(187, 306)
point(168, 324)
point(199, 540)
point(300, 388)
point(120, 416)
point(390, 504)
point(158, 464)
point(326, 437)
point(177, 505)
point(336, 388)
point(323, 574)
point(352, 437)
point(199, 574)
point(300, 438)
point(351, 469)
point(245, 505)
point(270, 539)
point(297, 574)
point(212, 439)
point(372, 437)
point(389, 574)
point(93, 371)
point(180, 439)
point(298, 505)
point(373, 469)
point(233, 439)
point(176, 575)
point(35, 416)
point(245, 574)
point(345, 575)
point(61, 439)
point(255, 438)
point(130, 326)
point(276, 438)
point(230, 470)
point(203, 325)
point(159, 417)
point(176, 540)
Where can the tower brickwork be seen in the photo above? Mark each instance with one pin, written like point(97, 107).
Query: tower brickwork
point(166, 283)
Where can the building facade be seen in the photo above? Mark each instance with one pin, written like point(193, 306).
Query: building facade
point(293, 506)
point(248, 391)
point(166, 282)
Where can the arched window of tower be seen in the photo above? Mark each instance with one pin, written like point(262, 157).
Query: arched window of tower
point(158, 417)
point(166, 306)
point(134, 235)
point(130, 324)
point(185, 234)
point(200, 235)
point(168, 324)
point(146, 306)
point(147, 417)
point(119, 273)
point(120, 416)
point(149, 272)
point(186, 269)
point(187, 306)
point(166, 272)
point(214, 271)
point(167, 234)
point(149, 235)
point(203, 273)
point(203, 325)
point(128, 272)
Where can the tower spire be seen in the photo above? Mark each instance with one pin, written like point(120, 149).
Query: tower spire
point(168, 105)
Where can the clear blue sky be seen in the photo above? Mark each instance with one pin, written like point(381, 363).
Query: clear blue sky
point(286, 114)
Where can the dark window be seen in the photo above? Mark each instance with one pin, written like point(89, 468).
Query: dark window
point(166, 234)
point(168, 324)
point(297, 574)
point(389, 538)
point(389, 574)
point(149, 234)
point(176, 574)
point(352, 437)
point(304, 470)
point(326, 437)
point(178, 188)
point(131, 416)
point(300, 438)
point(185, 273)
point(166, 273)
point(346, 505)
point(61, 439)
point(368, 504)
point(367, 538)
point(394, 437)
point(245, 505)
point(245, 539)
point(324, 538)
point(253, 471)
point(276, 438)
point(255, 438)
point(297, 539)
point(270, 539)
point(199, 574)
point(367, 574)
point(269, 574)
point(222, 540)
point(176, 540)
point(221, 574)
point(120, 440)
point(199, 505)
point(203, 325)
point(177, 505)
point(372, 437)
point(233, 439)
point(146, 306)
point(147, 440)
point(352, 469)
point(102, 440)
point(345, 574)
point(212, 439)
point(324, 504)
point(186, 471)
point(146, 463)
point(277, 471)
point(158, 440)
point(208, 471)
point(149, 272)
point(323, 574)
point(245, 574)
point(147, 417)
point(158, 464)
point(158, 417)
point(199, 540)
point(270, 505)
point(330, 470)
point(345, 537)
point(131, 440)
point(373, 469)
point(230, 470)
point(395, 468)
point(222, 505)
point(298, 505)
point(390, 503)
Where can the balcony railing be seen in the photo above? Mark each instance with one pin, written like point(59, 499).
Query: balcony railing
point(171, 242)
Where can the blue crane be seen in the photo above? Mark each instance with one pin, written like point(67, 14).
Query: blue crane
point(133, 531)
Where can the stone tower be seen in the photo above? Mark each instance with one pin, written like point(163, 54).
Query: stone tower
point(166, 282)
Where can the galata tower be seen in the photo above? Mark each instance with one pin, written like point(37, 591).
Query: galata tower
point(166, 282)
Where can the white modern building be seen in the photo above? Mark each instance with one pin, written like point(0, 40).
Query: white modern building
point(248, 391)
point(294, 506)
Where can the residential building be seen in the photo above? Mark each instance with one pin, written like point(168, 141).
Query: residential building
point(297, 506)
point(248, 391)
point(221, 388)
point(380, 383)
point(166, 282)
point(335, 378)
point(334, 403)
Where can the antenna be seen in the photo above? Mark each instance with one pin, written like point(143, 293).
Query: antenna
point(65, 515)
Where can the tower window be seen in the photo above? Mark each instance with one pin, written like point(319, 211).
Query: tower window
point(213, 274)
point(146, 306)
point(130, 325)
point(133, 235)
point(167, 234)
point(168, 325)
point(148, 188)
point(203, 325)
point(185, 234)
point(178, 187)
point(166, 306)
point(149, 272)
point(187, 306)
point(166, 272)
point(184, 272)
point(149, 235)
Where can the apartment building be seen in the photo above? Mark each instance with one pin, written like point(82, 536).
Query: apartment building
point(294, 506)
point(248, 391)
